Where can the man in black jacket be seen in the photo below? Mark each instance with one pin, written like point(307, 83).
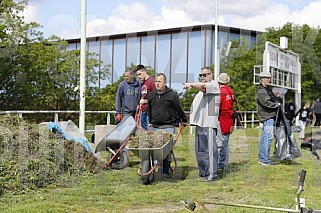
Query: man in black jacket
point(267, 106)
point(164, 109)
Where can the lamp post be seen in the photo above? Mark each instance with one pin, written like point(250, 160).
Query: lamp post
point(216, 61)
point(82, 88)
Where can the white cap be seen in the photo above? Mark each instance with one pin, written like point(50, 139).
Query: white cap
point(265, 75)
point(223, 78)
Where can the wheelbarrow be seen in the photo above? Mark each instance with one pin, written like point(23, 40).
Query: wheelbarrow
point(151, 158)
point(115, 142)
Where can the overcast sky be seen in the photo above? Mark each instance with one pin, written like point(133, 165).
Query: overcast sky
point(106, 17)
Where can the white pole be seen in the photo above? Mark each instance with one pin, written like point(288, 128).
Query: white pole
point(216, 61)
point(83, 67)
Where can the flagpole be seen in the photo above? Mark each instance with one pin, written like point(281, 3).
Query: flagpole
point(82, 67)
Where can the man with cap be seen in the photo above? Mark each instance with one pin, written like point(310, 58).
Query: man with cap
point(267, 107)
point(226, 119)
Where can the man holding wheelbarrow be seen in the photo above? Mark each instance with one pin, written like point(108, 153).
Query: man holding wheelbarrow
point(164, 108)
point(204, 115)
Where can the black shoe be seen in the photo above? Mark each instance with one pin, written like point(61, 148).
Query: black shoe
point(166, 176)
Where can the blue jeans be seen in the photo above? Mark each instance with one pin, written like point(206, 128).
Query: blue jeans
point(266, 140)
point(223, 149)
point(165, 164)
point(144, 123)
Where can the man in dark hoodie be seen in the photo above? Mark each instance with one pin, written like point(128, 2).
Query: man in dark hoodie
point(128, 96)
point(164, 108)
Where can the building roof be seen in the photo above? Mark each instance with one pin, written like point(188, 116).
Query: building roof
point(168, 31)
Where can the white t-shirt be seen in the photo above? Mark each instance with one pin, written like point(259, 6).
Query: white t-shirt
point(205, 106)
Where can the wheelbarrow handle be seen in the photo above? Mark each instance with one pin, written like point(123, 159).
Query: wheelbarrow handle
point(180, 128)
point(302, 177)
point(301, 182)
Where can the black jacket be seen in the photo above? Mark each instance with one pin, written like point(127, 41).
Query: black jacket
point(266, 103)
point(164, 108)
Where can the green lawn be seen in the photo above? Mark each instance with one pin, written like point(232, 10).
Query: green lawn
point(245, 182)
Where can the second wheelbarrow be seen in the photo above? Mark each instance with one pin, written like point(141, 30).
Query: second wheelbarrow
point(115, 141)
point(151, 158)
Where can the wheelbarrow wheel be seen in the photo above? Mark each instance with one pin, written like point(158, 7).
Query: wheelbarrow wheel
point(145, 168)
point(121, 161)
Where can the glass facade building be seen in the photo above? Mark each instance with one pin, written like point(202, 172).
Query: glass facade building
point(180, 53)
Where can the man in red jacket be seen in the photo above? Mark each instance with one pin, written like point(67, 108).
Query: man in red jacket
point(226, 119)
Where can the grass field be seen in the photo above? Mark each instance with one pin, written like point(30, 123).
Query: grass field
point(244, 182)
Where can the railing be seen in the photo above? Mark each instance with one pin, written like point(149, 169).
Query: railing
point(247, 118)
point(57, 112)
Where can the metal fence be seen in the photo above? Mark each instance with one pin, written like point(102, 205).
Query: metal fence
point(247, 119)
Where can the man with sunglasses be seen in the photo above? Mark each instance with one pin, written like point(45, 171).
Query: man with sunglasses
point(204, 115)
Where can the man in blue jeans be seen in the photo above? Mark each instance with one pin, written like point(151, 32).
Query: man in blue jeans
point(164, 108)
point(267, 106)
point(148, 85)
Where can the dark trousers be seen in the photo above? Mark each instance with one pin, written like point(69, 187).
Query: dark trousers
point(317, 119)
point(206, 152)
point(165, 164)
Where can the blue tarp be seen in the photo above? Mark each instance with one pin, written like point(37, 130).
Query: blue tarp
point(55, 127)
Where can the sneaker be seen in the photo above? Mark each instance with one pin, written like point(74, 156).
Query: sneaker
point(206, 179)
point(271, 163)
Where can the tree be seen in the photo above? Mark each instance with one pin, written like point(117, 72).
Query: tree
point(13, 33)
point(39, 73)
point(239, 66)
point(305, 41)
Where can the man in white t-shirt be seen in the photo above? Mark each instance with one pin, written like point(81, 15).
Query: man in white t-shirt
point(204, 115)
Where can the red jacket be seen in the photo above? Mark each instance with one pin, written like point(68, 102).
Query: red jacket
point(226, 116)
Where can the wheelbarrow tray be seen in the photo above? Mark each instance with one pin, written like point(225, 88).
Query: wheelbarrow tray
point(117, 136)
point(158, 153)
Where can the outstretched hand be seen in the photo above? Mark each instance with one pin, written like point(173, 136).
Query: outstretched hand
point(187, 85)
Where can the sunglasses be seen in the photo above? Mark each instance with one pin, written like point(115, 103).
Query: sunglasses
point(203, 74)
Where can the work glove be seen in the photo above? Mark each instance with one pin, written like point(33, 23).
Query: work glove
point(119, 117)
